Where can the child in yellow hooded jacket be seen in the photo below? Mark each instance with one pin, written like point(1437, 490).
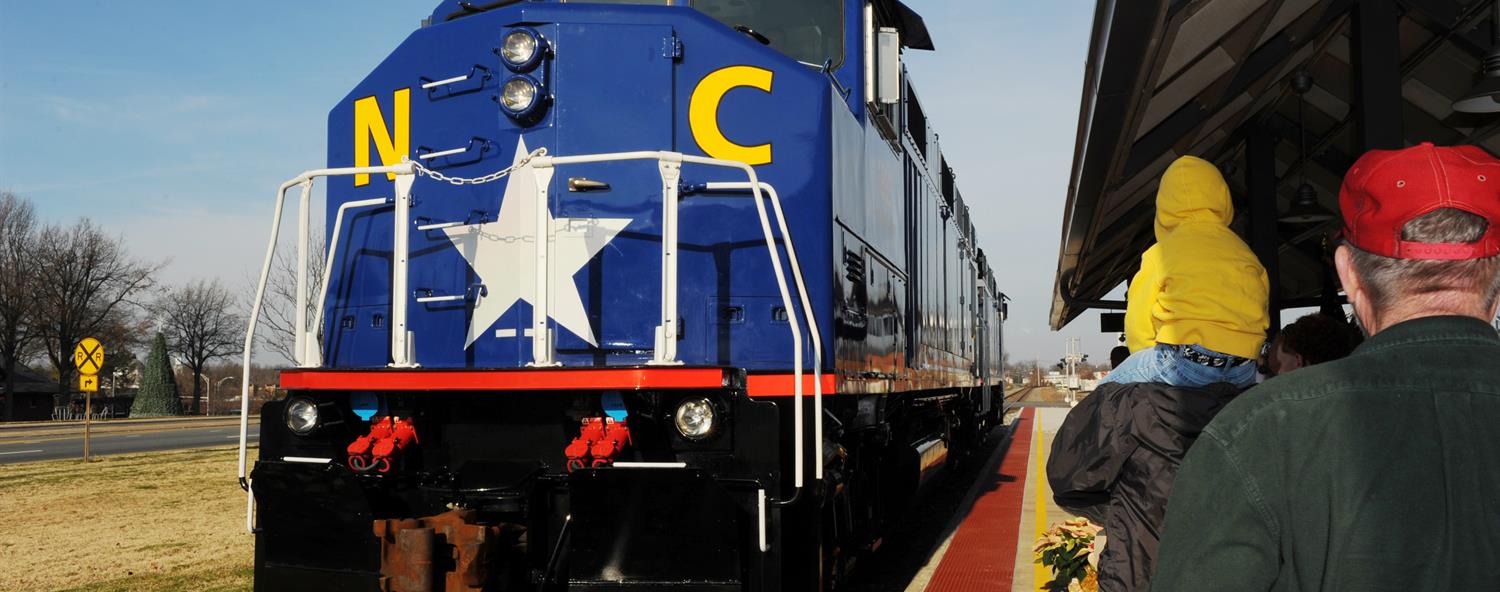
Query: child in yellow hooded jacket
point(1196, 311)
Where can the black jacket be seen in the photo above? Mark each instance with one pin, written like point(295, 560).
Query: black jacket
point(1114, 459)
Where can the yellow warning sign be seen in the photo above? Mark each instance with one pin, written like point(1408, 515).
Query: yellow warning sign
point(88, 383)
point(89, 357)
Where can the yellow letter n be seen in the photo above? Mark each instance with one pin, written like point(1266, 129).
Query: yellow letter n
point(369, 126)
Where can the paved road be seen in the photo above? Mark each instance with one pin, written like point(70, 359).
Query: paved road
point(20, 450)
point(11, 427)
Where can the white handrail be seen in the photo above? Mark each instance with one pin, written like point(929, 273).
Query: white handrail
point(449, 298)
point(812, 322)
point(542, 350)
point(401, 338)
point(665, 353)
point(260, 294)
point(437, 83)
point(299, 336)
point(543, 346)
point(333, 251)
point(442, 153)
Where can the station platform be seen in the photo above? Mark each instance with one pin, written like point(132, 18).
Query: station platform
point(988, 544)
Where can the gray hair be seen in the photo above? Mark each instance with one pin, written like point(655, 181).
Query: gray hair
point(1387, 279)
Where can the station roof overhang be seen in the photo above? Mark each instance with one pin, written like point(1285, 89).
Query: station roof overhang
point(1167, 78)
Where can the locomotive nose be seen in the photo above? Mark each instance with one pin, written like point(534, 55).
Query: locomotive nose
point(608, 89)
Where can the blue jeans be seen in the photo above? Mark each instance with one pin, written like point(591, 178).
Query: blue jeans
point(1164, 364)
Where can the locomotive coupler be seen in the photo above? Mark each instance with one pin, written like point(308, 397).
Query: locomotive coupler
point(451, 551)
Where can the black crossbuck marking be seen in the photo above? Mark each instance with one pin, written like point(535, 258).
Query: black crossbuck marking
point(92, 360)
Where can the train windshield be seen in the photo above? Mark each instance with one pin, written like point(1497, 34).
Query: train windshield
point(810, 31)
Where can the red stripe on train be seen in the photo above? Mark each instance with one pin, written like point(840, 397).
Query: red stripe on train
point(758, 385)
point(780, 385)
point(505, 380)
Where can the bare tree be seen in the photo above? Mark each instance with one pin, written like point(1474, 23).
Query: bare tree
point(278, 314)
point(88, 282)
point(123, 333)
point(17, 289)
point(201, 325)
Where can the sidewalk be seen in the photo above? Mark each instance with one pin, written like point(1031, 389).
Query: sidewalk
point(1037, 509)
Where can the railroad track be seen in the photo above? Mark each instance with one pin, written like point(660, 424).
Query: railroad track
point(1020, 395)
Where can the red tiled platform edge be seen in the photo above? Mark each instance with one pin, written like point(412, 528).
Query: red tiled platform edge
point(982, 555)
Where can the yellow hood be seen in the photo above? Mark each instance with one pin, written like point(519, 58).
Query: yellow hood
point(1192, 190)
point(1199, 284)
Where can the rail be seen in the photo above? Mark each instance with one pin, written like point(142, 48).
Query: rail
point(817, 339)
point(308, 350)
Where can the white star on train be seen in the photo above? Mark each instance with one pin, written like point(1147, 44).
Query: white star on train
point(503, 256)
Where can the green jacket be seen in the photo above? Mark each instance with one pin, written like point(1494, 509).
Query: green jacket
point(1377, 472)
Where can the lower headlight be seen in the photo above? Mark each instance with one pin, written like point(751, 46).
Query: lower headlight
point(695, 418)
point(519, 94)
point(301, 416)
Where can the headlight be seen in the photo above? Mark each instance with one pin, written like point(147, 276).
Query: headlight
point(521, 49)
point(519, 95)
point(695, 418)
point(301, 416)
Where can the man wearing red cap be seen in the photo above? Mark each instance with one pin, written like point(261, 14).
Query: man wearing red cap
point(1380, 471)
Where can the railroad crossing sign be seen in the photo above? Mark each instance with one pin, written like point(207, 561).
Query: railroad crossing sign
point(89, 358)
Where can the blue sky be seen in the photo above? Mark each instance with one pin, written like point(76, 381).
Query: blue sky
point(172, 123)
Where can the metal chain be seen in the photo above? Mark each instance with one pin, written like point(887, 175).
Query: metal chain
point(490, 178)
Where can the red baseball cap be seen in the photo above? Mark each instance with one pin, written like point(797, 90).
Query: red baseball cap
point(1385, 189)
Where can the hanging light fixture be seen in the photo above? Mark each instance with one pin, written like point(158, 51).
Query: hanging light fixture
point(1484, 97)
point(1305, 208)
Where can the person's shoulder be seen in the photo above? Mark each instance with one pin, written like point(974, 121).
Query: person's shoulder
point(1153, 252)
point(1191, 238)
point(1267, 408)
point(1113, 393)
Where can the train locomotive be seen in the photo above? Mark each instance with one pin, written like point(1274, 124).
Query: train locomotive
point(624, 295)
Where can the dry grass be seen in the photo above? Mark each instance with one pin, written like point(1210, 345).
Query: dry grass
point(157, 521)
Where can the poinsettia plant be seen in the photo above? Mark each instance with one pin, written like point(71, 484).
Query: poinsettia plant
point(1071, 549)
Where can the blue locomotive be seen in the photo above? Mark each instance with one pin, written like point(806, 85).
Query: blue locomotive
point(625, 295)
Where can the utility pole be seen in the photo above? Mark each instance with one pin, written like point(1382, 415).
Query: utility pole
point(1072, 357)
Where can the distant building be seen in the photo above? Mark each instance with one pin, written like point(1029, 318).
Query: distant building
point(34, 395)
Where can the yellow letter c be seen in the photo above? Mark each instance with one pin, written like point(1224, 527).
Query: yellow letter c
point(703, 113)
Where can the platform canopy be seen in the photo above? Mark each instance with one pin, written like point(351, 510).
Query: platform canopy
point(1213, 78)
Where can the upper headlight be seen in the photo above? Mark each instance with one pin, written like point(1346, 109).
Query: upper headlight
point(695, 418)
point(301, 416)
point(521, 49)
point(519, 94)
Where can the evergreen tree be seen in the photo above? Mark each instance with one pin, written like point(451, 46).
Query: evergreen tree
point(157, 396)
